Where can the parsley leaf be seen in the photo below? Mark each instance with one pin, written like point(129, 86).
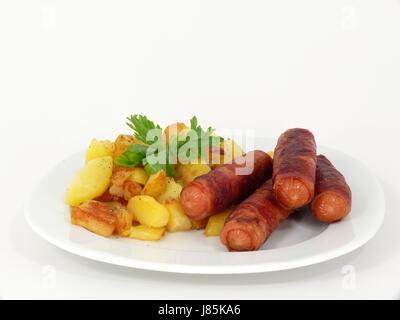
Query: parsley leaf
point(142, 126)
point(133, 155)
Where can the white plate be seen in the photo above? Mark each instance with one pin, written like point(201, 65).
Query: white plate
point(298, 241)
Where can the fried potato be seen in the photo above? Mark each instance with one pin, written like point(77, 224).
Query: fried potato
point(172, 190)
point(138, 175)
point(199, 224)
point(131, 189)
point(271, 154)
point(216, 223)
point(231, 151)
point(95, 217)
point(178, 220)
point(120, 145)
point(175, 129)
point(124, 218)
point(91, 181)
point(156, 184)
point(146, 233)
point(148, 211)
point(119, 177)
point(98, 149)
point(186, 173)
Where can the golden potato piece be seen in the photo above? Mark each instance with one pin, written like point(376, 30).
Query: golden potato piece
point(186, 173)
point(199, 224)
point(178, 221)
point(148, 211)
point(156, 184)
point(146, 233)
point(99, 149)
point(121, 144)
point(175, 129)
point(95, 217)
point(172, 190)
point(231, 151)
point(216, 223)
point(119, 177)
point(138, 175)
point(91, 181)
point(131, 189)
point(271, 154)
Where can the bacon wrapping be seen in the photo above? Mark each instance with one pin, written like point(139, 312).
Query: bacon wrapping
point(224, 186)
point(332, 201)
point(252, 222)
point(294, 168)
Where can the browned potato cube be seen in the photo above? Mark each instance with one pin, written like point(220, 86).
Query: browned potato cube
point(156, 184)
point(94, 216)
point(199, 224)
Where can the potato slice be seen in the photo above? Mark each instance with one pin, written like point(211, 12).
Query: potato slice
point(231, 151)
point(186, 173)
point(138, 175)
point(99, 149)
point(175, 129)
point(172, 190)
point(95, 217)
point(199, 224)
point(131, 189)
point(121, 144)
point(156, 184)
point(216, 223)
point(124, 218)
point(271, 154)
point(146, 233)
point(148, 211)
point(91, 181)
point(178, 220)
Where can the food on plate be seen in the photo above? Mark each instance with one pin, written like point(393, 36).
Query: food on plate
point(294, 168)
point(186, 173)
point(332, 201)
point(216, 223)
point(99, 149)
point(178, 220)
point(172, 190)
point(225, 186)
point(231, 150)
point(138, 175)
point(155, 182)
point(252, 222)
point(148, 211)
point(91, 181)
point(199, 224)
point(94, 216)
point(143, 232)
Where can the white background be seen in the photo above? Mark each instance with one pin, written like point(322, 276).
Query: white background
point(73, 70)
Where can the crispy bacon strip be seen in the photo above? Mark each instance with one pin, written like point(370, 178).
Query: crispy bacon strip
point(222, 187)
point(332, 200)
point(294, 168)
point(252, 222)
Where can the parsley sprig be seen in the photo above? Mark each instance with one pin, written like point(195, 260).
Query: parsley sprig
point(164, 157)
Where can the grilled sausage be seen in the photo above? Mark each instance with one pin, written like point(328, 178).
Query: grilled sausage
point(252, 222)
point(217, 190)
point(294, 168)
point(332, 200)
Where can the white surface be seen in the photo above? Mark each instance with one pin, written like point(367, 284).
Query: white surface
point(70, 71)
point(298, 241)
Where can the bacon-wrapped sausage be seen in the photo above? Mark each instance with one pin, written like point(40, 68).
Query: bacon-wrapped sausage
point(252, 222)
point(224, 186)
point(294, 168)
point(332, 201)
